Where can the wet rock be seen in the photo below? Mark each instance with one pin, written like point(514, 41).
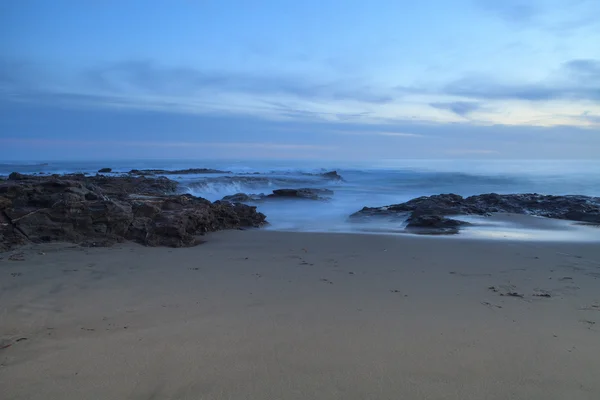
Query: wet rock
point(177, 171)
point(577, 208)
point(434, 225)
point(304, 193)
point(243, 198)
point(103, 210)
point(104, 170)
point(332, 175)
point(16, 176)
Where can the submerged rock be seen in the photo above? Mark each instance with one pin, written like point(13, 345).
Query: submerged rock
point(103, 210)
point(434, 225)
point(333, 175)
point(576, 208)
point(304, 193)
point(104, 170)
point(243, 198)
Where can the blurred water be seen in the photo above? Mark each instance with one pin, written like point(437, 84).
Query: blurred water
point(370, 184)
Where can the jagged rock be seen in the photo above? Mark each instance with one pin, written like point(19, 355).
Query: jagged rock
point(16, 176)
point(243, 198)
point(333, 175)
point(104, 170)
point(102, 210)
point(434, 225)
point(177, 171)
point(576, 208)
point(305, 193)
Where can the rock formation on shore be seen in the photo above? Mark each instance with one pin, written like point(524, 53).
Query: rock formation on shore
point(303, 193)
point(101, 210)
point(430, 212)
point(333, 175)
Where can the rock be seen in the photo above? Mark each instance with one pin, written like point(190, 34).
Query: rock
point(104, 170)
point(576, 208)
point(16, 176)
point(305, 193)
point(103, 210)
point(243, 198)
point(177, 171)
point(333, 175)
point(434, 225)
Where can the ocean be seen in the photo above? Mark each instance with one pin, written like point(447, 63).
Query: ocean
point(371, 184)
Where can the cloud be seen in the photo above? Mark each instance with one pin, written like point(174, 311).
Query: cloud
point(150, 78)
point(576, 80)
point(98, 132)
point(161, 144)
point(584, 69)
point(460, 108)
point(471, 151)
point(512, 11)
point(591, 118)
point(376, 131)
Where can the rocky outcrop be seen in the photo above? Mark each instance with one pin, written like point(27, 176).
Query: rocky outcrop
point(104, 170)
point(576, 208)
point(332, 175)
point(103, 210)
point(177, 171)
point(243, 198)
point(304, 193)
point(434, 225)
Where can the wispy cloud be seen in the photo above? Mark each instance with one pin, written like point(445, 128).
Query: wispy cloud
point(575, 80)
point(513, 11)
point(376, 131)
point(149, 77)
point(160, 144)
point(558, 17)
point(470, 151)
point(460, 108)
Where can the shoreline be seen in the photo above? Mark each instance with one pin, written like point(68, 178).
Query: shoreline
point(499, 226)
point(261, 314)
point(151, 210)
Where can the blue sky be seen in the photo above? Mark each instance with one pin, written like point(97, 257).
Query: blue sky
point(311, 79)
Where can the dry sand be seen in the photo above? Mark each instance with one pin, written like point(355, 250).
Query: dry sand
point(268, 315)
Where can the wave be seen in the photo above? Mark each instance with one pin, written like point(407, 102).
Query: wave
point(214, 188)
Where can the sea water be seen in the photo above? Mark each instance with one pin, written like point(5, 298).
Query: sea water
point(372, 184)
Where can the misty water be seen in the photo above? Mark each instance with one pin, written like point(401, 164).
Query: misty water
point(371, 184)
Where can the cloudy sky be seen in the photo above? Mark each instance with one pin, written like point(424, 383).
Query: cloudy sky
point(300, 79)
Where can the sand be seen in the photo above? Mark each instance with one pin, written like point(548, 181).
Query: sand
point(271, 315)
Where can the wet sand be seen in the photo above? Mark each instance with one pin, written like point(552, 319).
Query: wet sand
point(271, 315)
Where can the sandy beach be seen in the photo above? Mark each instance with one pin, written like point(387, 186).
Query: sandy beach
point(272, 315)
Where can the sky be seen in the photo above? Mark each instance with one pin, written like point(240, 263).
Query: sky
point(278, 79)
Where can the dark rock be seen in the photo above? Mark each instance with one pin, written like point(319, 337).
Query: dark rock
point(104, 170)
point(577, 208)
point(100, 210)
point(243, 198)
point(333, 175)
point(16, 176)
point(434, 225)
point(177, 171)
point(305, 193)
